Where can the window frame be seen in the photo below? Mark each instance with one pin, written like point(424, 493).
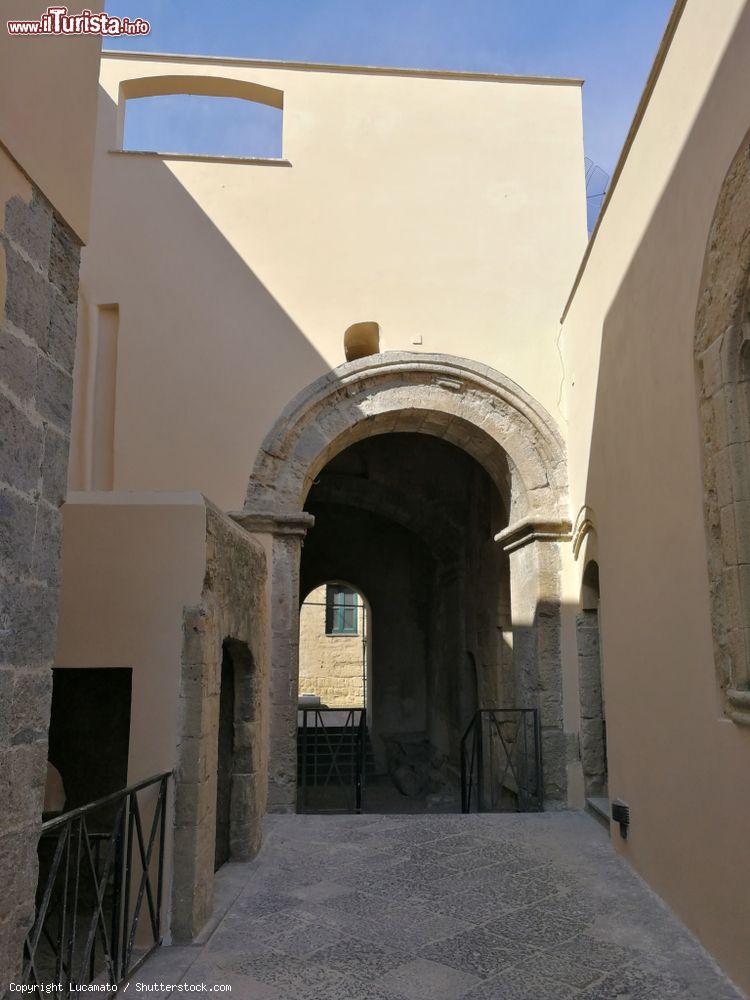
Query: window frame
point(338, 610)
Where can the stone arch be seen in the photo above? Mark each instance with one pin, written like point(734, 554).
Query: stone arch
point(722, 350)
point(464, 402)
point(490, 418)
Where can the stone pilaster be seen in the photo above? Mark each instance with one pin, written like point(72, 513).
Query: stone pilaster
point(288, 532)
point(229, 621)
point(533, 547)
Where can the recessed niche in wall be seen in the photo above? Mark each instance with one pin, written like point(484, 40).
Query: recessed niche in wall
point(361, 340)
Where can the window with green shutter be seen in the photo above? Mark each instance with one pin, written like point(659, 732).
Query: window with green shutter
point(342, 610)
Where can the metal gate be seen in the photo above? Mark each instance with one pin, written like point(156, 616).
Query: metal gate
point(501, 762)
point(331, 756)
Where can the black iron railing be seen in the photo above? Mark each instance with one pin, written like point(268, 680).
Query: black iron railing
point(98, 867)
point(501, 762)
point(331, 749)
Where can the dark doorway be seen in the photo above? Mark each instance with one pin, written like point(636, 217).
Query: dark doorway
point(225, 760)
point(593, 713)
point(89, 731)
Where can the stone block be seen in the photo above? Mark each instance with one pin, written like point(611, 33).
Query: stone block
point(723, 478)
point(61, 341)
point(23, 769)
point(64, 260)
point(246, 817)
point(193, 759)
point(735, 423)
point(7, 683)
point(554, 760)
point(739, 465)
point(47, 552)
point(742, 523)
point(29, 226)
point(20, 448)
point(711, 367)
point(193, 802)
point(732, 592)
point(18, 363)
point(591, 701)
point(28, 619)
point(32, 698)
point(54, 394)
point(27, 297)
point(719, 424)
point(728, 535)
point(55, 467)
point(738, 651)
point(550, 708)
point(17, 519)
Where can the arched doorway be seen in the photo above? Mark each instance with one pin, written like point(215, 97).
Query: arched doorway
point(334, 639)
point(334, 749)
point(413, 518)
point(482, 418)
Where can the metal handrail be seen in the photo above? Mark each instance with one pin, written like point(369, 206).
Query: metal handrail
point(82, 903)
point(65, 817)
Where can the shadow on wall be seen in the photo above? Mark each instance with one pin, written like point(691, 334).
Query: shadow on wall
point(189, 287)
point(672, 757)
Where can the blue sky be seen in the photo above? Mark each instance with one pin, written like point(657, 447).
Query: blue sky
point(610, 43)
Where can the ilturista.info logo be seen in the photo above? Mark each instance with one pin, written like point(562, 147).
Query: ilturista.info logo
point(57, 21)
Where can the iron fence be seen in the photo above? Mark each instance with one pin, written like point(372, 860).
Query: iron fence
point(331, 749)
point(501, 762)
point(97, 869)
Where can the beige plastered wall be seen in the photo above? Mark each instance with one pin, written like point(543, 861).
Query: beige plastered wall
point(447, 208)
point(634, 460)
point(131, 564)
point(330, 666)
point(48, 108)
point(137, 574)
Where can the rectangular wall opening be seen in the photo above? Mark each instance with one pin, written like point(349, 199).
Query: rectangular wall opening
point(89, 732)
point(203, 125)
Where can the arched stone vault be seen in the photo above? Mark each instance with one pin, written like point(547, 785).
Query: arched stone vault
point(490, 418)
point(438, 530)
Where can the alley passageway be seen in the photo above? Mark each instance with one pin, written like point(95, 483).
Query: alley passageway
point(480, 907)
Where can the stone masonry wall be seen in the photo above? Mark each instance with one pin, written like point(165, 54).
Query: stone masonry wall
point(39, 264)
point(329, 665)
point(232, 616)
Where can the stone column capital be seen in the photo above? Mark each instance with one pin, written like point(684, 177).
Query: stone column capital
point(534, 528)
point(276, 524)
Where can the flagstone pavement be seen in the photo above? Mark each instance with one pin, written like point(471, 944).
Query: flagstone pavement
point(439, 907)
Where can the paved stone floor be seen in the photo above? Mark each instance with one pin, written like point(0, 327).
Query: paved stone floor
point(531, 907)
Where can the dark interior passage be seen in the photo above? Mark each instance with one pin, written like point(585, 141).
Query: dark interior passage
point(410, 520)
point(591, 688)
point(225, 761)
